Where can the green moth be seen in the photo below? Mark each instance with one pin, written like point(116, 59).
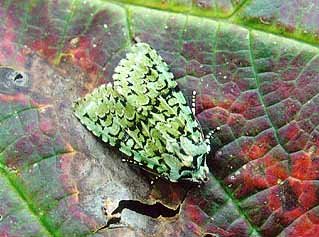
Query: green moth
point(147, 117)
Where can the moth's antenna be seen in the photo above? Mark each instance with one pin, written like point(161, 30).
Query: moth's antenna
point(210, 134)
point(194, 102)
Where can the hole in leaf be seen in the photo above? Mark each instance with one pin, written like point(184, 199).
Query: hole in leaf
point(12, 80)
point(154, 210)
point(18, 77)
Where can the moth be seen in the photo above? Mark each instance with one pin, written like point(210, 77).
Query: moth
point(147, 117)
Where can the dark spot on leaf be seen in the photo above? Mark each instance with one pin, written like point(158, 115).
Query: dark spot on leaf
point(288, 197)
point(12, 81)
point(18, 76)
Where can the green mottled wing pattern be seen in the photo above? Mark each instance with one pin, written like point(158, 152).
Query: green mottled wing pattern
point(102, 112)
point(147, 117)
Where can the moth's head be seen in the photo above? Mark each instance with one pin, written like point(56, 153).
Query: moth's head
point(197, 176)
point(201, 176)
point(194, 159)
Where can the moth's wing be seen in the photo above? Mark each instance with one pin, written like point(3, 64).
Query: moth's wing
point(109, 116)
point(102, 112)
point(185, 148)
point(143, 76)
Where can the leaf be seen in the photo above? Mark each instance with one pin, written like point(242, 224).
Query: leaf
point(254, 65)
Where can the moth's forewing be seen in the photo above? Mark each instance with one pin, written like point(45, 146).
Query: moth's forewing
point(99, 112)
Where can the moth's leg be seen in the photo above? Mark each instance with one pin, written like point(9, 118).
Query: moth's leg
point(210, 134)
point(194, 102)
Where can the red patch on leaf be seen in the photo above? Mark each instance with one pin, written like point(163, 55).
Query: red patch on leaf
point(46, 47)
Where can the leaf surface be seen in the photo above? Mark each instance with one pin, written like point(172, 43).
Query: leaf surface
point(254, 65)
